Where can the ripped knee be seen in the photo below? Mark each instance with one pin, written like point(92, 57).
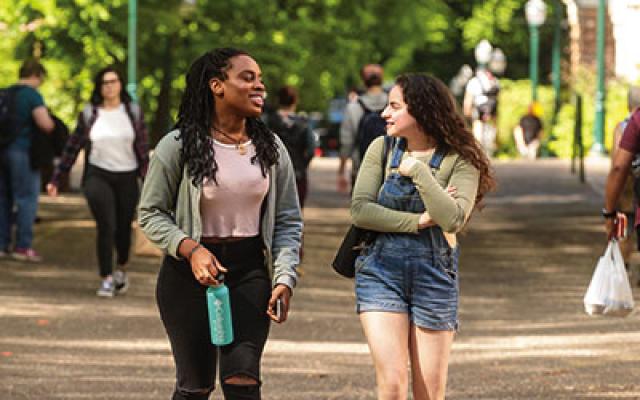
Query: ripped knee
point(240, 379)
point(241, 387)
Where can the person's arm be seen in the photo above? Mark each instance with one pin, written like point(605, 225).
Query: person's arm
point(447, 211)
point(287, 231)
point(72, 147)
point(158, 200)
point(310, 151)
point(43, 120)
point(287, 236)
point(365, 210)
point(141, 142)
point(518, 136)
point(615, 183)
point(348, 132)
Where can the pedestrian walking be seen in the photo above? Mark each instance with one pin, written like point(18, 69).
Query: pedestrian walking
point(220, 198)
point(19, 180)
point(528, 132)
point(112, 132)
point(296, 134)
point(407, 279)
point(355, 135)
point(620, 187)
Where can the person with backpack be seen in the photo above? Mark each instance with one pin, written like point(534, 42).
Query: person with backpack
point(112, 132)
point(481, 105)
point(406, 280)
point(625, 154)
point(22, 112)
point(296, 134)
point(361, 123)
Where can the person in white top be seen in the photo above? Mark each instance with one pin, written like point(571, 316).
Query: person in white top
point(111, 129)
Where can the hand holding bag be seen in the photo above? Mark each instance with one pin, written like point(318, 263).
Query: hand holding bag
point(609, 292)
point(357, 238)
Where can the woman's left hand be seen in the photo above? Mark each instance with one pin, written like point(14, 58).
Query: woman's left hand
point(283, 293)
point(406, 165)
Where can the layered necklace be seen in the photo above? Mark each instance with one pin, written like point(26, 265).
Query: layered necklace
point(239, 144)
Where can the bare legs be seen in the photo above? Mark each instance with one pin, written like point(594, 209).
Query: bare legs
point(393, 341)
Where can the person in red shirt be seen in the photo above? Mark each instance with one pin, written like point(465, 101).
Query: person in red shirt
point(621, 166)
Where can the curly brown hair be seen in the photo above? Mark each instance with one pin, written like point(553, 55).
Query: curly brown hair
point(430, 102)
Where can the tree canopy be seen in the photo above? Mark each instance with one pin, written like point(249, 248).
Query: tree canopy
point(316, 45)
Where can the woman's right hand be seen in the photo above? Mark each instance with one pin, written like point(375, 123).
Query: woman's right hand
point(205, 267)
point(52, 189)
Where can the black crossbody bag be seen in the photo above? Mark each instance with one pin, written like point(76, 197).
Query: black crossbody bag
point(356, 238)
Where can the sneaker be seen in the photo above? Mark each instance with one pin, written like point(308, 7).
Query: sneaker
point(106, 289)
point(121, 281)
point(26, 255)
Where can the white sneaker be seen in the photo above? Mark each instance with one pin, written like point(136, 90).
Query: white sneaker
point(121, 281)
point(106, 289)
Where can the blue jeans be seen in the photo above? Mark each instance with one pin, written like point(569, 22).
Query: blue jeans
point(19, 190)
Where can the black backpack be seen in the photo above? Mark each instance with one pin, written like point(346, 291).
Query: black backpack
point(295, 139)
point(8, 129)
point(46, 146)
point(371, 126)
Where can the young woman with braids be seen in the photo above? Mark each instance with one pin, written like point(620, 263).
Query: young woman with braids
point(220, 197)
point(407, 279)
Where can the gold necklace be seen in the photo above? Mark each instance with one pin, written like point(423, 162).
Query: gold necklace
point(240, 146)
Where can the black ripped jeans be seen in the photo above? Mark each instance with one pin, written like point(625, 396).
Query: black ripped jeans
point(183, 309)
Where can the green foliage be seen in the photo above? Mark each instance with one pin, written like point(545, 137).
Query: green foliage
point(317, 45)
point(615, 111)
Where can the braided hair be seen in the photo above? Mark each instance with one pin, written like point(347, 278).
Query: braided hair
point(431, 104)
point(195, 116)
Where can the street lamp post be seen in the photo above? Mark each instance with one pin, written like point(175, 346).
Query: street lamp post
point(131, 49)
point(535, 12)
point(556, 55)
point(598, 125)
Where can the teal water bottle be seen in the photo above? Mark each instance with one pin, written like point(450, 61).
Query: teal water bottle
point(219, 315)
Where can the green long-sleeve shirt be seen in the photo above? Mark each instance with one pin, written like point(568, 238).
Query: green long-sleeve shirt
point(450, 213)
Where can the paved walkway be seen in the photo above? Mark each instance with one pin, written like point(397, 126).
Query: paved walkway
point(526, 261)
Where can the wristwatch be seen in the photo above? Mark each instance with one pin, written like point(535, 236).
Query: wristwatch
point(609, 214)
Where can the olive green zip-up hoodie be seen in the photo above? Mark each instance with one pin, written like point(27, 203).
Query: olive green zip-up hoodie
point(169, 209)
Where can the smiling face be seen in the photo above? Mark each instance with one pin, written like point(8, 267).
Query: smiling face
point(243, 91)
point(399, 121)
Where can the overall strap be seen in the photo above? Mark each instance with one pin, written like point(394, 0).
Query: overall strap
point(437, 158)
point(398, 151)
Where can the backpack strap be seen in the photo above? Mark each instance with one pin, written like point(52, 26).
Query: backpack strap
point(364, 107)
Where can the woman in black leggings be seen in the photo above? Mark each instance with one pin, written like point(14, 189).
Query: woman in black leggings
point(112, 132)
point(220, 197)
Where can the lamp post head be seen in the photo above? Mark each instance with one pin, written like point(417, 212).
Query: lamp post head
point(483, 52)
point(535, 12)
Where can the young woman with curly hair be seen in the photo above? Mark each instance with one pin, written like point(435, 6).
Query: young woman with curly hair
point(407, 279)
point(220, 197)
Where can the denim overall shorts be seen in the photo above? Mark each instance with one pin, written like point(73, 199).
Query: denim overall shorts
point(416, 274)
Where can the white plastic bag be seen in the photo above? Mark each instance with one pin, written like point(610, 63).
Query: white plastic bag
point(609, 292)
